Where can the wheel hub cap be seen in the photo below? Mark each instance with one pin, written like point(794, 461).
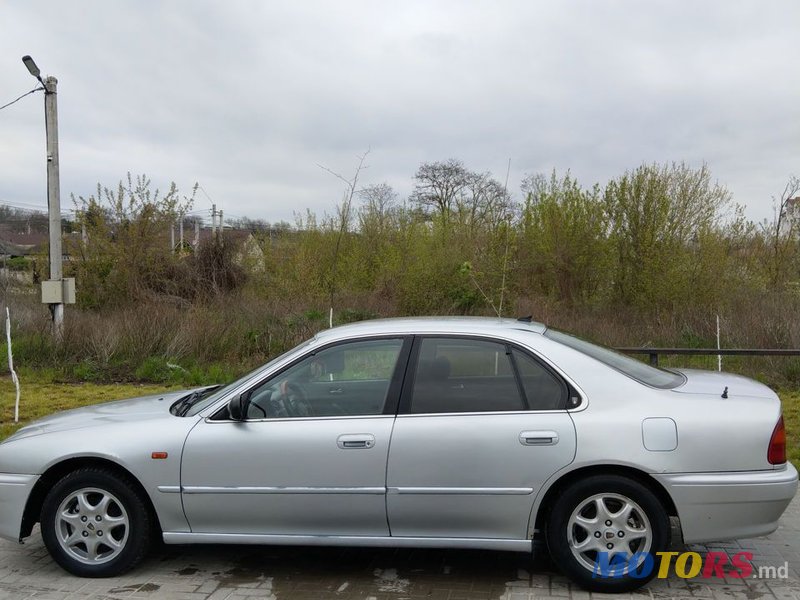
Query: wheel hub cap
point(612, 524)
point(92, 526)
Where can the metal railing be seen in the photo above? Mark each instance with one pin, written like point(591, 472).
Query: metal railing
point(654, 353)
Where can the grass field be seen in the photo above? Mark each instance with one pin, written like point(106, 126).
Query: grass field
point(791, 415)
point(40, 399)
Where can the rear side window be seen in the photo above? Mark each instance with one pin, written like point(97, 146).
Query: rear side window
point(464, 375)
point(543, 389)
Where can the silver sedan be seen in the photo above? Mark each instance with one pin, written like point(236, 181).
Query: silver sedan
point(458, 433)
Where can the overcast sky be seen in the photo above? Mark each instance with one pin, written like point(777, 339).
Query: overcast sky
point(247, 97)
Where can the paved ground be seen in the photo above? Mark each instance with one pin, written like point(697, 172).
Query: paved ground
point(277, 573)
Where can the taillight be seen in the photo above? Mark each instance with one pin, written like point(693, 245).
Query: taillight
point(776, 455)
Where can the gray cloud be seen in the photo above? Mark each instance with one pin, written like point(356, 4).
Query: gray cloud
point(246, 97)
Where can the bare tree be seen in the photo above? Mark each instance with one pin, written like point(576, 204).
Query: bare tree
point(378, 202)
point(783, 229)
point(248, 224)
point(483, 201)
point(344, 215)
point(439, 184)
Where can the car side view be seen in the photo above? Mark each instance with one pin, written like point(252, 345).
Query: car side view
point(421, 432)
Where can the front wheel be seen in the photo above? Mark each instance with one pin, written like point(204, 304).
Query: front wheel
point(94, 523)
point(605, 531)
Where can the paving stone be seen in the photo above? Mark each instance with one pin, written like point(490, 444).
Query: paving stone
point(278, 573)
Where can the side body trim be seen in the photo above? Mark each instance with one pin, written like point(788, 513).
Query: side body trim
point(462, 491)
point(200, 489)
point(171, 537)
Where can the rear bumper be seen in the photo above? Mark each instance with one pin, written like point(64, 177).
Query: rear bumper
point(723, 506)
point(14, 492)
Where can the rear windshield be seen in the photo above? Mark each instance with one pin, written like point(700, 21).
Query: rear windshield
point(652, 376)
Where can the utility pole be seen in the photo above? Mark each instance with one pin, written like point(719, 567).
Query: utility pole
point(172, 237)
point(221, 226)
point(56, 290)
point(213, 221)
point(181, 238)
point(54, 198)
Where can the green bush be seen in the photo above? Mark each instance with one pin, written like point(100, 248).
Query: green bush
point(87, 370)
point(18, 263)
point(155, 369)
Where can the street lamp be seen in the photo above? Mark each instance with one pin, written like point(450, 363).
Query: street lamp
point(56, 290)
point(32, 68)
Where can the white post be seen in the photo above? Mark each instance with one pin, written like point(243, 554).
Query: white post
point(719, 356)
point(14, 377)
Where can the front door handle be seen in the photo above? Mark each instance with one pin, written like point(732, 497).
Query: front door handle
point(351, 441)
point(538, 438)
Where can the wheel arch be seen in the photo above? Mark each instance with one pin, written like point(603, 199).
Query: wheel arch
point(33, 507)
point(542, 509)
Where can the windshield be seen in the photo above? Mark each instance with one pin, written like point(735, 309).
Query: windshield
point(652, 376)
point(222, 391)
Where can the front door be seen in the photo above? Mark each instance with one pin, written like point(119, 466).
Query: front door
point(482, 426)
point(310, 459)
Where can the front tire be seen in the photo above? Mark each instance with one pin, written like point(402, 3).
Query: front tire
point(94, 523)
point(606, 520)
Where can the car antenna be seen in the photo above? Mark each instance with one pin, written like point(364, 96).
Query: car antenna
point(527, 319)
point(725, 392)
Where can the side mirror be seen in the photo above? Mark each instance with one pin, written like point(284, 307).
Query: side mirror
point(237, 407)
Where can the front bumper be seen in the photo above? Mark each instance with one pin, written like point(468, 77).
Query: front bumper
point(15, 489)
point(724, 506)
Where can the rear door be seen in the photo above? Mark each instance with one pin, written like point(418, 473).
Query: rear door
point(482, 426)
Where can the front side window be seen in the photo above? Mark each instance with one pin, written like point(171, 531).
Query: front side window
point(464, 375)
point(347, 379)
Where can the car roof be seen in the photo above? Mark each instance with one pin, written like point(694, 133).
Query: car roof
point(406, 325)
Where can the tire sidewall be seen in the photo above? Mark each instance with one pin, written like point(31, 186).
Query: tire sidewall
point(139, 526)
point(558, 521)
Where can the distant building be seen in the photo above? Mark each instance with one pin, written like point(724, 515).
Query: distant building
point(13, 244)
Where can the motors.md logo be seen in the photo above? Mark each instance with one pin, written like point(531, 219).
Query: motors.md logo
point(686, 565)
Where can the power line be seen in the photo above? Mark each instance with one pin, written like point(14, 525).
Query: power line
point(23, 205)
point(21, 97)
point(25, 214)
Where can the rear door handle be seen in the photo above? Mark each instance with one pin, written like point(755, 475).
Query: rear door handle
point(335, 390)
point(538, 438)
point(352, 441)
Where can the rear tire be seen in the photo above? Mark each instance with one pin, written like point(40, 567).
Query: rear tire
point(95, 523)
point(607, 517)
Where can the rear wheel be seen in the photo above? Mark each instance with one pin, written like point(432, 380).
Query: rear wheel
point(604, 533)
point(94, 523)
